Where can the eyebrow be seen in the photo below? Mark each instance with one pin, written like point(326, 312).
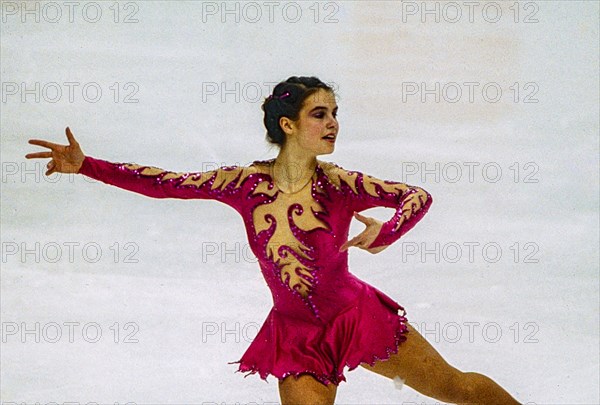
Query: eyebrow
point(322, 108)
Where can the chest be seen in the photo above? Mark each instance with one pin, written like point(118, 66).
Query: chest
point(302, 222)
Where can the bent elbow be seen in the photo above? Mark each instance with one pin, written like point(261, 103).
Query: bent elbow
point(423, 197)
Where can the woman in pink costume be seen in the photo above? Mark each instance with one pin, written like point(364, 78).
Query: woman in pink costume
point(297, 212)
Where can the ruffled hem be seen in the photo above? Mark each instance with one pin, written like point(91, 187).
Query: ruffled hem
point(389, 350)
point(325, 378)
point(356, 336)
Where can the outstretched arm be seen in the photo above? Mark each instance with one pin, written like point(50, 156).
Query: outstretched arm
point(222, 184)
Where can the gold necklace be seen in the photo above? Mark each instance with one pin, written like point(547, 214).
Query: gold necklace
point(272, 173)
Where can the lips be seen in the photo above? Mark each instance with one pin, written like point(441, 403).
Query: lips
point(329, 136)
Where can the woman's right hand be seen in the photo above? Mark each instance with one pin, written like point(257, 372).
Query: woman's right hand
point(64, 158)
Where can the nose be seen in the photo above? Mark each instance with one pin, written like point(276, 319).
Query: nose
point(333, 123)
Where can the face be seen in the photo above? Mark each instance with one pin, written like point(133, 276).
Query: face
point(316, 119)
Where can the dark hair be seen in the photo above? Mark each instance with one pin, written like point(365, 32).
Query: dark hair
point(299, 89)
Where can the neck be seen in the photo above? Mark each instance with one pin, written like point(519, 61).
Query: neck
point(293, 167)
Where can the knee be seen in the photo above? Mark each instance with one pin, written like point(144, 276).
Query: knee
point(467, 386)
point(454, 387)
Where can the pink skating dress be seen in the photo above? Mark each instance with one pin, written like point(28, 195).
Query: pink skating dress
point(323, 317)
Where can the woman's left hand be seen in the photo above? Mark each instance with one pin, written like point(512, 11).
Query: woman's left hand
point(366, 237)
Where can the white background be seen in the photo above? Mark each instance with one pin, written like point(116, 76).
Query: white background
point(544, 301)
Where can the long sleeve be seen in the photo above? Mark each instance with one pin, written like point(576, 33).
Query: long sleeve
point(219, 184)
point(410, 202)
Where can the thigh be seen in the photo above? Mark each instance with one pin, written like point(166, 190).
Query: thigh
point(306, 390)
point(419, 365)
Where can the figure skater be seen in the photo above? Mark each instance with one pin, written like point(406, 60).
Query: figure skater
point(297, 212)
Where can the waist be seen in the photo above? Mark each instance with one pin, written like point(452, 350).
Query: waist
point(329, 299)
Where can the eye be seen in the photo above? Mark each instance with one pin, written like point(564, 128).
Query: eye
point(320, 115)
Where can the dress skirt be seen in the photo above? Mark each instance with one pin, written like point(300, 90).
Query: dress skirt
point(367, 330)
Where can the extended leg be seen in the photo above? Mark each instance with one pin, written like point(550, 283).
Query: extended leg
point(306, 390)
point(423, 369)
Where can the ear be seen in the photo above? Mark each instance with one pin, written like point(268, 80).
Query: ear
point(287, 125)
